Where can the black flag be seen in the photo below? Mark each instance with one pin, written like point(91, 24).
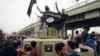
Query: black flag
point(30, 7)
point(77, 0)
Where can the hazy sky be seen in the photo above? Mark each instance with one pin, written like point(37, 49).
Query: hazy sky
point(13, 13)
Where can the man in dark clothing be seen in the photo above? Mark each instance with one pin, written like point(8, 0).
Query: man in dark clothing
point(87, 41)
point(34, 51)
point(47, 9)
point(71, 49)
point(85, 34)
point(8, 51)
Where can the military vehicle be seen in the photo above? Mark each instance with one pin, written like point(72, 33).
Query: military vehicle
point(46, 47)
point(46, 34)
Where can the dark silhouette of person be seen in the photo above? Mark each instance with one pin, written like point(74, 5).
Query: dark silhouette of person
point(85, 33)
point(47, 9)
point(8, 49)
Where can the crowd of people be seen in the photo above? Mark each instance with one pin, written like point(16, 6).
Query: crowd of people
point(81, 43)
point(12, 46)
